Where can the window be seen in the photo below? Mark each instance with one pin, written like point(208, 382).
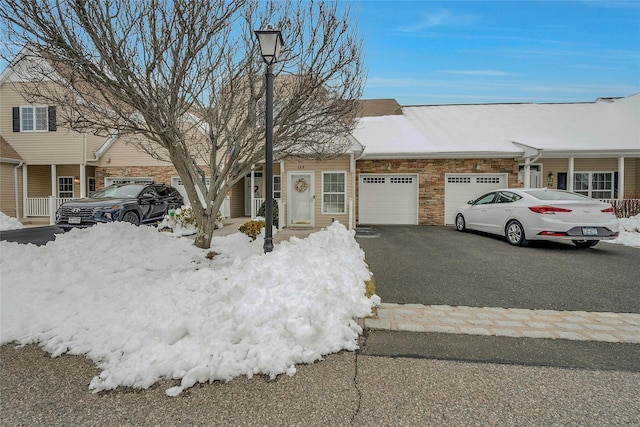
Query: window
point(401, 180)
point(276, 187)
point(91, 185)
point(486, 199)
point(459, 180)
point(597, 185)
point(372, 180)
point(65, 187)
point(34, 119)
point(334, 192)
point(507, 197)
point(488, 180)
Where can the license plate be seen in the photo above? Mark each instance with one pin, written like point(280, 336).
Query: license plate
point(589, 231)
point(75, 220)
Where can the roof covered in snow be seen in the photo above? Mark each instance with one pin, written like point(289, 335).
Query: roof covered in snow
point(606, 126)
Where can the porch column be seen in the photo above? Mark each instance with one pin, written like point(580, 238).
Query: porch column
point(252, 201)
point(527, 172)
point(83, 181)
point(25, 193)
point(54, 179)
point(570, 175)
point(620, 178)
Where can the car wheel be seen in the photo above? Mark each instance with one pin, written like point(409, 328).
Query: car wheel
point(131, 217)
point(460, 224)
point(582, 244)
point(515, 234)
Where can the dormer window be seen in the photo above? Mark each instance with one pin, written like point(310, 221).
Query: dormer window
point(34, 119)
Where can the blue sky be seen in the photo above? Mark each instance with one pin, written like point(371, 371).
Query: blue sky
point(444, 52)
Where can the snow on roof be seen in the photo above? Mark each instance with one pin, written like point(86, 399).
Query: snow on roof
point(607, 124)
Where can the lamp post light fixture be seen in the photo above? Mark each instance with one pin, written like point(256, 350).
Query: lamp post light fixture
point(270, 42)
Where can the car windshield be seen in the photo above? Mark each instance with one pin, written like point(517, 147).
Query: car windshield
point(557, 195)
point(127, 191)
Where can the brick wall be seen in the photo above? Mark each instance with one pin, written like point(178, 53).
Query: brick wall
point(431, 178)
point(158, 173)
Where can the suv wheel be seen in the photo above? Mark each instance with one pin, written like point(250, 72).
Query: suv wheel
point(131, 217)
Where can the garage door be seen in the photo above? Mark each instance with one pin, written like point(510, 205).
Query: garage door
point(388, 199)
point(460, 188)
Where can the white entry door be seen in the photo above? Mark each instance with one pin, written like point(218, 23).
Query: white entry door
point(300, 200)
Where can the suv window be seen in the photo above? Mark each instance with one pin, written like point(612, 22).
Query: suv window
point(149, 191)
point(163, 191)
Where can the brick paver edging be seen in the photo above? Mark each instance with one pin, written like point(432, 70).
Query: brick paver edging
point(509, 322)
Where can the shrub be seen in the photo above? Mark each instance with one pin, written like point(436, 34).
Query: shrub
point(261, 212)
point(252, 228)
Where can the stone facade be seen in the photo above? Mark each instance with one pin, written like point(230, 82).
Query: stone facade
point(158, 173)
point(431, 178)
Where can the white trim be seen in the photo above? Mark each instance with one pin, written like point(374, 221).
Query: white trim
point(73, 189)
point(590, 190)
point(312, 196)
point(33, 110)
point(620, 178)
point(322, 193)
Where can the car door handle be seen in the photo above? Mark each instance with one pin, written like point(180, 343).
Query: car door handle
point(507, 210)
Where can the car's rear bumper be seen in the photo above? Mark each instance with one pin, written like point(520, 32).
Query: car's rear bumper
point(551, 228)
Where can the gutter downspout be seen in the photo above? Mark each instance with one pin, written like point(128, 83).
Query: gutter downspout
point(15, 188)
point(352, 202)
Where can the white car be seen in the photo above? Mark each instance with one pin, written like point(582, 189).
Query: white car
point(539, 214)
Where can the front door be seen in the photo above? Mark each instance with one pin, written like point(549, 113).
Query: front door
point(301, 199)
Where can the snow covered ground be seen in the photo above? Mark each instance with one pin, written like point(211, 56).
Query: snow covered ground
point(629, 232)
point(9, 223)
point(145, 305)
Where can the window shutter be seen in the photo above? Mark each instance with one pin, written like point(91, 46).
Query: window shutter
point(52, 119)
point(16, 119)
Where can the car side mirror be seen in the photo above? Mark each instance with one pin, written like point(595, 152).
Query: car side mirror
point(470, 202)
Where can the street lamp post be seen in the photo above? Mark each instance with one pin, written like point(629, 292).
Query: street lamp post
point(270, 45)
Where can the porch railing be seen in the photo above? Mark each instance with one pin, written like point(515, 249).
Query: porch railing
point(625, 208)
point(257, 203)
point(41, 206)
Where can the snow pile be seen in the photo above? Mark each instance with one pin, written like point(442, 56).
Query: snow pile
point(629, 232)
point(145, 305)
point(9, 223)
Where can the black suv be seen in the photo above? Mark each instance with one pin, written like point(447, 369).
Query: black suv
point(134, 203)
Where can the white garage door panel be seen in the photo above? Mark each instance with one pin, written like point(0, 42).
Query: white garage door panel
point(460, 188)
point(388, 199)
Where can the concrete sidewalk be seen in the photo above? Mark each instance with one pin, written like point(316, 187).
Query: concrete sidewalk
point(231, 226)
point(508, 322)
point(345, 389)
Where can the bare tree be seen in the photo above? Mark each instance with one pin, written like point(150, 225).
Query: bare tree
point(185, 77)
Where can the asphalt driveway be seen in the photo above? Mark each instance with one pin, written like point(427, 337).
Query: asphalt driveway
point(439, 265)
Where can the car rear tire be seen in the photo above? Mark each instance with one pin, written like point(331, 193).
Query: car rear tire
point(582, 244)
point(460, 224)
point(515, 234)
point(131, 217)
